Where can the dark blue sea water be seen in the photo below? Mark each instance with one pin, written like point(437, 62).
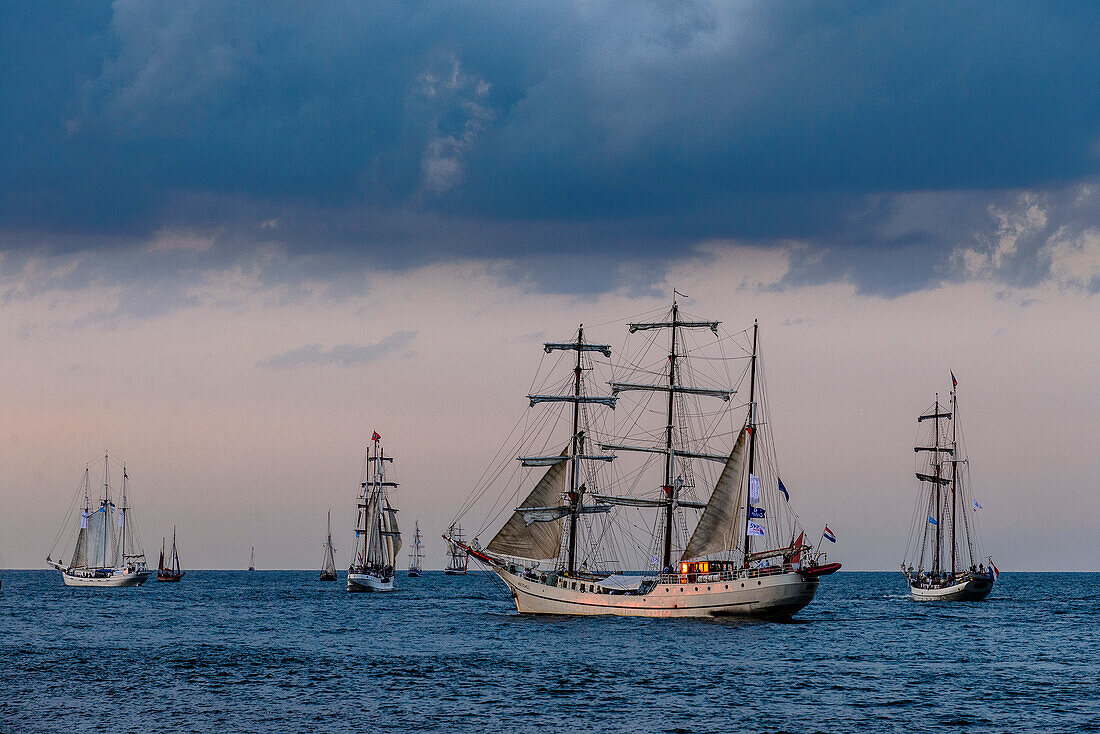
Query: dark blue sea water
point(280, 651)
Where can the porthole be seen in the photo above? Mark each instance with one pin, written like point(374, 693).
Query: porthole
point(742, 585)
point(727, 587)
point(696, 588)
point(708, 588)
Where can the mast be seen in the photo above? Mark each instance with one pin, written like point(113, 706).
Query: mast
point(87, 514)
point(574, 493)
point(106, 513)
point(752, 434)
point(954, 472)
point(938, 467)
point(175, 553)
point(667, 556)
point(123, 518)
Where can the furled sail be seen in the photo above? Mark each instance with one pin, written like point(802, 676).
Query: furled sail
point(538, 540)
point(718, 529)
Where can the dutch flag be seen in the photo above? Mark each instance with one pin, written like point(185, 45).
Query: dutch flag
point(828, 535)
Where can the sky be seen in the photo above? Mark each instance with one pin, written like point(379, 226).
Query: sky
point(233, 243)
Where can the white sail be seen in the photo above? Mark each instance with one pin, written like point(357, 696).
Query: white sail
point(393, 534)
point(718, 528)
point(79, 560)
point(538, 540)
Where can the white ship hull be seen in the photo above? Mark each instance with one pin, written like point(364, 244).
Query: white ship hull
point(369, 582)
point(118, 578)
point(975, 588)
point(777, 595)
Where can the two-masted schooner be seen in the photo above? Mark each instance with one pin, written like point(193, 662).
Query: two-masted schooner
point(676, 510)
point(416, 555)
point(107, 551)
point(377, 537)
point(328, 562)
point(458, 559)
point(943, 561)
point(168, 569)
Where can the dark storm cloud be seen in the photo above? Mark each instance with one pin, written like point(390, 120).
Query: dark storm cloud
point(394, 134)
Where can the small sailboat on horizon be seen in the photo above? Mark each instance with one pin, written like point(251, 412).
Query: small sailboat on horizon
point(107, 551)
point(944, 546)
point(416, 557)
point(377, 537)
point(252, 559)
point(168, 569)
point(328, 565)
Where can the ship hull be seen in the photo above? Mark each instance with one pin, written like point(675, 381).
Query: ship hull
point(973, 589)
point(775, 596)
point(134, 578)
point(369, 582)
point(454, 572)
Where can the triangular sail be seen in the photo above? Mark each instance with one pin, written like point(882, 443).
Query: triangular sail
point(718, 528)
point(80, 552)
point(539, 540)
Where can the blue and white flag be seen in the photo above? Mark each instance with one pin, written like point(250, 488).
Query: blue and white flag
point(754, 488)
point(932, 520)
point(756, 512)
point(977, 505)
point(783, 489)
point(755, 529)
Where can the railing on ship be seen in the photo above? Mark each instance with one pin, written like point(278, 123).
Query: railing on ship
point(741, 573)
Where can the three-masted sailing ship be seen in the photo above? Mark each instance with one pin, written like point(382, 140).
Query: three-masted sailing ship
point(458, 559)
point(686, 486)
point(377, 537)
point(107, 551)
point(168, 569)
point(943, 541)
point(416, 556)
point(328, 563)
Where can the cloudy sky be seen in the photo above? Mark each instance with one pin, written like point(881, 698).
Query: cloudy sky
point(234, 242)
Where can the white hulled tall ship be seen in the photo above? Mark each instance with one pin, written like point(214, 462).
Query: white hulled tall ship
point(677, 511)
point(107, 551)
point(377, 538)
point(458, 559)
point(943, 560)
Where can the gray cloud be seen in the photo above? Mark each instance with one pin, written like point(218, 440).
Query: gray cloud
point(342, 355)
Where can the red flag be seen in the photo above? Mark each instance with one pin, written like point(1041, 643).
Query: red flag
point(797, 557)
point(376, 437)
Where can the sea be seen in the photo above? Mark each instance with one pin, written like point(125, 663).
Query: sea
point(281, 651)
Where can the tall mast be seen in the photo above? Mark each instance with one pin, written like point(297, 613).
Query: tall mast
point(954, 471)
point(667, 556)
point(938, 466)
point(574, 491)
point(106, 514)
point(87, 513)
point(123, 516)
point(752, 434)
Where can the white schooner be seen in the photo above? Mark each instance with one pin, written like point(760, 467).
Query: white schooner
point(569, 546)
point(377, 538)
point(107, 551)
point(944, 546)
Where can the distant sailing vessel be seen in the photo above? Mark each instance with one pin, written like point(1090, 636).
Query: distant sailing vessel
point(713, 531)
point(328, 565)
point(458, 557)
point(252, 559)
point(943, 544)
point(377, 537)
point(416, 557)
point(107, 551)
point(168, 569)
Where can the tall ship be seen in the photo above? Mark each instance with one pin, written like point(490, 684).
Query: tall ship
point(416, 556)
point(675, 509)
point(377, 537)
point(168, 569)
point(107, 551)
point(943, 561)
point(458, 557)
point(328, 562)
